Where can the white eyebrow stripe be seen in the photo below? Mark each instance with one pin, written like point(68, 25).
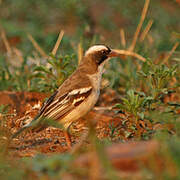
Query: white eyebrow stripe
point(96, 48)
point(80, 91)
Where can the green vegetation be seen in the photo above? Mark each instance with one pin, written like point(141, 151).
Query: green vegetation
point(145, 88)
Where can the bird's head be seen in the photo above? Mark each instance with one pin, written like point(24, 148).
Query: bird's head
point(95, 58)
point(100, 53)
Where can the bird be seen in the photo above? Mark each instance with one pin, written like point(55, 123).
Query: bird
point(78, 94)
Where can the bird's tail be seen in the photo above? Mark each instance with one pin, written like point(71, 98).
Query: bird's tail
point(38, 124)
point(32, 125)
point(19, 132)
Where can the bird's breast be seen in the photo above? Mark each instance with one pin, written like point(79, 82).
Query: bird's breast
point(96, 80)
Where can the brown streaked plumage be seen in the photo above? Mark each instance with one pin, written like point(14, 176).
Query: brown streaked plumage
point(79, 93)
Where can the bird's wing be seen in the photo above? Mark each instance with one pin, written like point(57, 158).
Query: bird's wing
point(47, 103)
point(35, 122)
point(58, 107)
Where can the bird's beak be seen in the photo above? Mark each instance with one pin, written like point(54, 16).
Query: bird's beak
point(113, 53)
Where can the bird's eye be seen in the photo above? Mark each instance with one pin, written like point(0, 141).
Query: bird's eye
point(103, 52)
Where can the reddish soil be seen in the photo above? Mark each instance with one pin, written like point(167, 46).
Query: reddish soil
point(124, 156)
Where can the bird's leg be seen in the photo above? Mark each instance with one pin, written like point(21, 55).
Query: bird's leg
point(68, 139)
point(68, 136)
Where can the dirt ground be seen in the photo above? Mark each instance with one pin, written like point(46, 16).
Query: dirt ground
point(108, 122)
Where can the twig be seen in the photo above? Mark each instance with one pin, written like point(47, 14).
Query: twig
point(103, 108)
point(80, 53)
point(18, 54)
point(170, 53)
point(146, 30)
point(123, 39)
point(58, 42)
point(136, 34)
point(37, 47)
point(130, 53)
point(6, 43)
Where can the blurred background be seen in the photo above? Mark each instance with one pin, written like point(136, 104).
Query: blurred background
point(85, 21)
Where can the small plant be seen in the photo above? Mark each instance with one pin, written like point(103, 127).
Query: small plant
point(158, 77)
point(3, 109)
point(3, 114)
point(135, 104)
point(112, 130)
point(50, 77)
point(14, 78)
